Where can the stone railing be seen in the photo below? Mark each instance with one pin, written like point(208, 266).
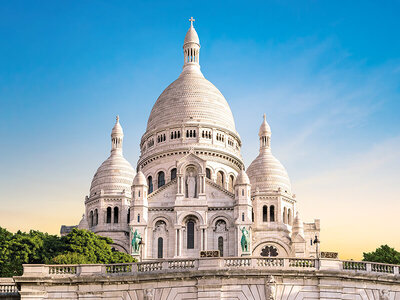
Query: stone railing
point(8, 287)
point(223, 263)
point(363, 266)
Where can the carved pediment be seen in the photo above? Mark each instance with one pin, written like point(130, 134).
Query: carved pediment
point(215, 192)
point(191, 159)
point(164, 193)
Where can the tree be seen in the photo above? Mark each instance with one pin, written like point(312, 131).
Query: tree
point(35, 247)
point(83, 246)
point(383, 254)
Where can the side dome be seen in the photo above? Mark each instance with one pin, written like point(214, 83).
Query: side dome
point(242, 178)
point(115, 175)
point(139, 179)
point(266, 173)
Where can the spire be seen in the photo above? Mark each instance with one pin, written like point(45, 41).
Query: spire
point(265, 135)
point(191, 48)
point(298, 228)
point(117, 136)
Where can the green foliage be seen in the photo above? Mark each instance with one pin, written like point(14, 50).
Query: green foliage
point(35, 247)
point(383, 254)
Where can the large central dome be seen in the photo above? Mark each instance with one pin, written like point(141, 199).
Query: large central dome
point(191, 98)
point(191, 114)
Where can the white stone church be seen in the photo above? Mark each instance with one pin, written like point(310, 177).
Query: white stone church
point(192, 194)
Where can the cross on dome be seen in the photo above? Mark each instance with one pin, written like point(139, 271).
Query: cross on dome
point(191, 21)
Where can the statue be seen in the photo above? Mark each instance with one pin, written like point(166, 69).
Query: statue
point(245, 241)
point(384, 295)
point(148, 294)
point(270, 288)
point(191, 185)
point(136, 241)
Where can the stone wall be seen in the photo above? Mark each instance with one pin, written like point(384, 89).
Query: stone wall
point(214, 278)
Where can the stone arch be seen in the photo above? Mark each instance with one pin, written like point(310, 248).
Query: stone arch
point(183, 166)
point(161, 217)
point(225, 176)
point(212, 169)
point(186, 215)
point(168, 174)
point(120, 247)
point(227, 218)
point(281, 245)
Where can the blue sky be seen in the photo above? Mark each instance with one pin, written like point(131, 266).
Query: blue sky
point(326, 73)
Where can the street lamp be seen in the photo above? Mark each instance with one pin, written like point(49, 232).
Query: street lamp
point(316, 242)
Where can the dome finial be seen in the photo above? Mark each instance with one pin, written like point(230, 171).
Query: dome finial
point(191, 21)
point(264, 134)
point(191, 49)
point(117, 136)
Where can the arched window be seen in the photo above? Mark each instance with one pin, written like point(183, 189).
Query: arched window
point(96, 217)
point(221, 246)
point(265, 213)
point(173, 173)
point(150, 183)
point(220, 178)
point(160, 247)
point(161, 179)
point(91, 219)
point(138, 218)
point(108, 220)
point(284, 215)
point(128, 218)
point(208, 173)
point(289, 217)
point(231, 179)
point(272, 213)
point(116, 214)
point(190, 235)
point(242, 217)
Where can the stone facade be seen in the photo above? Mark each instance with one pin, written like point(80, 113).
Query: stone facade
point(247, 278)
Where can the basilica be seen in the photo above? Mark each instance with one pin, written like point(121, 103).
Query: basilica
point(190, 193)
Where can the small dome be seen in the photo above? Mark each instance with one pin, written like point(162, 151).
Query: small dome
point(264, 128)
point(242, 178)
point(267, 174)
point(83, 224)
point(298, 228)
point(114, 176)
point(191, 36)
point(139, 179)
point(117, 129)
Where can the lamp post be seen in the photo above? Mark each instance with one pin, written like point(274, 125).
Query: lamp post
point(316, 242)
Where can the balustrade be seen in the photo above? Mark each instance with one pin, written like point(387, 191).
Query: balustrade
point(354, 265)
point(181, 264)
point(122, 268)
point(238, 262)
point(149, 266)
point(173, 265)
point(270, 262)
point(302, 263)
point(8, 289)
point(63, 269)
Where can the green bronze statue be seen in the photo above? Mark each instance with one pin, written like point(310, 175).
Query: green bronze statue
point(245, 240)
point(136, 241)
